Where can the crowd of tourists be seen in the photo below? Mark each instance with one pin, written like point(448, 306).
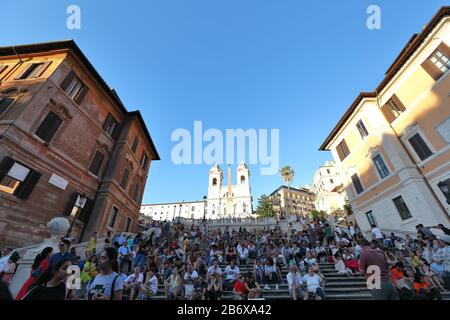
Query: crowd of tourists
point(177, 261)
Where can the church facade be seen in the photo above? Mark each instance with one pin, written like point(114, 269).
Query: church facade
point(224, 200)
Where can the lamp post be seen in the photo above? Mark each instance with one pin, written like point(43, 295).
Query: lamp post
point(80, 202)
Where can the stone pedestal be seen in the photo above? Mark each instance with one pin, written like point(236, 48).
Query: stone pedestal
point(57, 228)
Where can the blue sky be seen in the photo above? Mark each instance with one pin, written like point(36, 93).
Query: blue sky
point(290, 65)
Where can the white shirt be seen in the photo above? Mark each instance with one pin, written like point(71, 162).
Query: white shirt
point(153, 284)
point(212, 270)
point(312, 282)
point(270, 269)
point(231, 274)
point(4, 263)
point(290, 279)
point(376, 231)
point(193, 275)
point(132, 278)
point(243, 252)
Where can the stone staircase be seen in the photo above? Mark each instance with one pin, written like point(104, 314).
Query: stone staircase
point(337, 286)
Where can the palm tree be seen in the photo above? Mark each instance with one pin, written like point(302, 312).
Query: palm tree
point(287, 174)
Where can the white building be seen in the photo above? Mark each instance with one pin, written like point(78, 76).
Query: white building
point(223, 201)
point(328, 187)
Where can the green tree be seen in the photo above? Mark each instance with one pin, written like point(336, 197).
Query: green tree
point(348, 208)
point(265, 207)
point(318, 214)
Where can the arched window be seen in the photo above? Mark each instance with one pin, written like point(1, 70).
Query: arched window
point(242, 179)
point(214, 182)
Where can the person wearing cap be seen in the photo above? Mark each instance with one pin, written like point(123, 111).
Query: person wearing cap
point(63, 254)
point(369, 258)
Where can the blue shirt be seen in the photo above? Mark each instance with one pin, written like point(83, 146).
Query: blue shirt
point(57, 257)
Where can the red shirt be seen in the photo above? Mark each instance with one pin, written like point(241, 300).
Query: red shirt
point(239, 287)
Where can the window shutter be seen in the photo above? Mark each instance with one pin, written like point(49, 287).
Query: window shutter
point(398, 103)
point(443, 47)
point(387, 113)
point(3, 67)
point(48, 127)
point(26, 187)
point(40, 71)
point(87, 210)
point(23, 72)
point(431, 69)
point(67, 80)
point(5, 166)
point(107, 121)
point(4, 103)
point(81, 94)
point(116, 132)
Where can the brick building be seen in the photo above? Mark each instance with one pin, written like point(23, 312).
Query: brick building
point(68, 146)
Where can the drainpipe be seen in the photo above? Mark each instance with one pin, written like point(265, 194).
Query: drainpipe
point(435, 196)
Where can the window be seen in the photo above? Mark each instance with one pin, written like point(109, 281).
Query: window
point(113, 217)
point(34, 70)
point(96, 163)
point(328, 171)
point(193, 209)
point(242, 179)
point(124, 180)
point(331, 181)
point(144, 159)
point(381, 166)
point(371, 219)
point(136, 192)
point(214, 181)
point(135, 144)
point(394, 108)
point(441, 61)
point(128, 224)
point(111, 127)
point(49, 126)
point(402, 208)
point(5, 102)
point(74, 87)
point(362, 129)
point(420, 147)
point(342, 150)
point(17, 179)
point(438, 63)
point(357, 184)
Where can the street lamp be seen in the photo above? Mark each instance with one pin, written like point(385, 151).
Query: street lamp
point(445, 188)
point(80, 202)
